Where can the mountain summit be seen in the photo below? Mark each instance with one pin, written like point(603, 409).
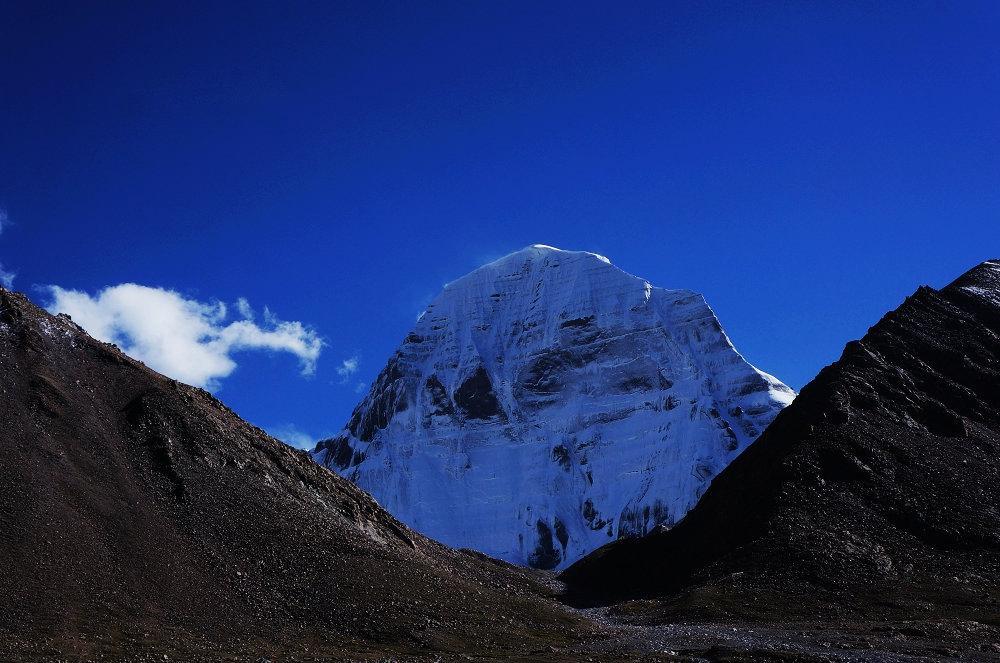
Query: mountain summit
point(549, 402)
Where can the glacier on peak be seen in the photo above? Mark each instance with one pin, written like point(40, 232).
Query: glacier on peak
point(546, 247)
point(549, 402)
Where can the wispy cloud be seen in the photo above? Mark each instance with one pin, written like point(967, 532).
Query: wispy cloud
point(183, 338)
point(244, 308)
point(347, 368)
point(6, 277)
point(291, 435)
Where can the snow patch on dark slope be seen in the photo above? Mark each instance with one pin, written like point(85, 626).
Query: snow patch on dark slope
point(548, 403)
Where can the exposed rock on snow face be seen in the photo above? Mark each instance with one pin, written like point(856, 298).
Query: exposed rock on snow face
point(548, 403)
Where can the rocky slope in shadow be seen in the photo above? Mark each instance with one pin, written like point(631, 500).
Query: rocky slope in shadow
point(140, 516)
point(872, 497)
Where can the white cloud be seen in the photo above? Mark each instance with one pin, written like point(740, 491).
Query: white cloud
point(293, 437)
point(6, 277)
point(360, 387)
point(183, 338)
point(243, 306)
point(347, 368)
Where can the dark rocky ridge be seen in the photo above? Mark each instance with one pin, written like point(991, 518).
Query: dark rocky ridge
point(140, 516)
point(872, 497)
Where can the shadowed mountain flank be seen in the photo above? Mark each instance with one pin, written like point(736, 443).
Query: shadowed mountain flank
point(139, 515)
point(874, 493)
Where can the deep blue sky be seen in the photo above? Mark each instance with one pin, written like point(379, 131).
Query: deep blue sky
point(805, 167)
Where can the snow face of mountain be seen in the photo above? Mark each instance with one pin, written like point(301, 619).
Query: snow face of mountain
point(548, 403)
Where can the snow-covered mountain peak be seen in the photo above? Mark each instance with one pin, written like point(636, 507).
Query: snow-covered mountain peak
point(547, 402)
point(546, 247)
point(543, 287)
point(534, 259)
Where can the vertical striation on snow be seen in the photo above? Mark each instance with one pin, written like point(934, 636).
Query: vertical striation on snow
point(547, 403)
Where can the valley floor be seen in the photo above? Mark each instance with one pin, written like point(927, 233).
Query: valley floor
point(623, 637)
point(806, 641)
